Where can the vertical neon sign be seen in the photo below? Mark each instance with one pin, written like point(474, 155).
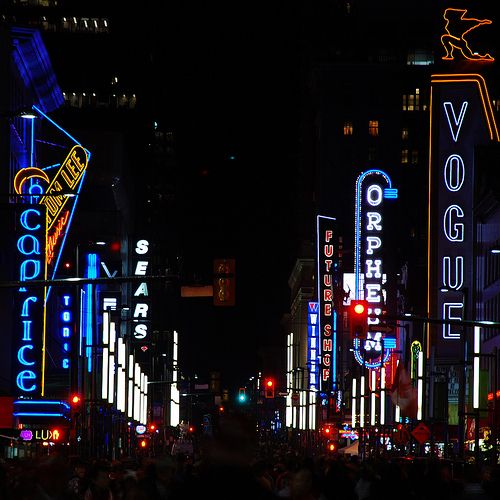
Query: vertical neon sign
point(327, 278)
point(372, 188)
point(29, 301)
point(461, 118)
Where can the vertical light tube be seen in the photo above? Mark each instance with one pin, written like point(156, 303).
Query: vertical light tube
point(105, 373)
point(420, 384)
point(382, 395)
point(353, 404)
point(476, 368)
point(362, 402)
point(373, 399)
point(397, 412)
point(130, 407)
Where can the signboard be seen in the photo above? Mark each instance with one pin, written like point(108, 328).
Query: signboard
point(372, 189)
point(461, 118)
point(328, 276)
point(421, 433)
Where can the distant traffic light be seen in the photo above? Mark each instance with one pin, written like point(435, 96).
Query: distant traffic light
point(143, 443)
point(358, 318)
point(332, 446)
point(152, 427)
point(327, 431)
point(242, 395)
point(269, 388)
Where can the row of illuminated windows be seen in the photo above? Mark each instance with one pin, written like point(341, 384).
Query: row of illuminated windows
point(407, 156)
point(373, 129)
point(84, 99)
point(72, 24)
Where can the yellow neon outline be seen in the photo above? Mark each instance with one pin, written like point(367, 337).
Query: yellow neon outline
point(483, 92)
point(464, 45)
point(57, 177)
point(25, 174)
point(490, 119)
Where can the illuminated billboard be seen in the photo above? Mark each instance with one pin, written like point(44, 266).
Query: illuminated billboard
point(373, 188)
point(461, 119)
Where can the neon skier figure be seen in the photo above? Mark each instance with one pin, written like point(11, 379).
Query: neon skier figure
point(457, 26)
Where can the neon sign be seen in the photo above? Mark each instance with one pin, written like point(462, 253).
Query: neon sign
point(29, 300)
point(457, 26)
point(313, 343)
point(140, 301)
point(66, 328)
point(372, 187)
point(461, 118)
point(327, 276)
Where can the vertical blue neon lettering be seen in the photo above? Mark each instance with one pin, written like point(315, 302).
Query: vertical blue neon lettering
point(91, 272)
point(66, 300)
point(24, 309)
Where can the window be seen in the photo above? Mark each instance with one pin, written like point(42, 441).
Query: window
point(404, 156)
point(414, 157)
point(404, 134)
point(347, 128)
point(372, 154)
point(411, 102)
point(373, 128)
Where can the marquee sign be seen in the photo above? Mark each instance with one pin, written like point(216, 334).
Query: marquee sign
point(461, 118)
point(372, 189)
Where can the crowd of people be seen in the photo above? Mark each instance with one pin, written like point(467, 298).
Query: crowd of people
point(232, 465)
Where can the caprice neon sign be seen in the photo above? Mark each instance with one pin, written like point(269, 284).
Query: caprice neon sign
point(372, 187)
point(31, 254)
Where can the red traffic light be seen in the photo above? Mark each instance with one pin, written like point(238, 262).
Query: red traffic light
point(269, 388)
point(143, 443)
point(75, 399)
point(152, 427)
point(358, 318)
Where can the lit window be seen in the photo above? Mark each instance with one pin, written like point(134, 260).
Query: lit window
point(348, 128)
point(404, 134)
point(414, 157)
point(404, 156)
point(411, 102)
point(373, 128)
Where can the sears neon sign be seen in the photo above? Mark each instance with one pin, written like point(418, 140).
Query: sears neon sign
point(141, 311)
point(30, 300)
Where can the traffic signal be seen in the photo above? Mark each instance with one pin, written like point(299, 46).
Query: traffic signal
point(75, 403)
point(152, 427)
point(332, 446)
point(358, 318)
point(327, 431)
point(269, 388)
point(143, 443)
point(242, 395)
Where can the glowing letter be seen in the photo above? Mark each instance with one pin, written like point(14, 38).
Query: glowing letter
point(372, 243)
point(21, 358)
point(23, 271)
point(21, 379)
point(24, 219)
point(374, 219)
point(459, 272)
point(33, 244)
point(374, 195)
point(141, 267)
point(454, 231)
point(454, 173)
point(373, 266)
point(142, 247)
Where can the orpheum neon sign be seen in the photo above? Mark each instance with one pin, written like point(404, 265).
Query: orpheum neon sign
point(372, 187)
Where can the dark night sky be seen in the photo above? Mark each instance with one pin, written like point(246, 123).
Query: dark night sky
point(231, 90)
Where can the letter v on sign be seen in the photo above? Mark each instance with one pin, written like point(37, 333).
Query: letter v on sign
point(106, 270)
point(454, 122)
